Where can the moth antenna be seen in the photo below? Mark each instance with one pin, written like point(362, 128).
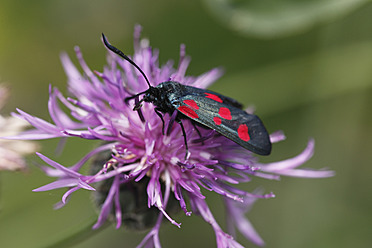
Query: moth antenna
point(121, 54)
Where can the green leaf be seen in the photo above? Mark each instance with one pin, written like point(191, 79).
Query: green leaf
point(275, 18)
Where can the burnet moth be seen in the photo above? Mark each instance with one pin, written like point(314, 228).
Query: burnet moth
point(203, 107)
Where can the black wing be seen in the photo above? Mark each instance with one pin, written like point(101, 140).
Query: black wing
point(189, 90)
point(225, 115)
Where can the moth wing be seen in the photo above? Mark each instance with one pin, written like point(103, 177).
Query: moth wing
point(189, 90)
point(245, 129)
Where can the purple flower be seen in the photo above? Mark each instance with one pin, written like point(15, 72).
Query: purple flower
point(136, 158)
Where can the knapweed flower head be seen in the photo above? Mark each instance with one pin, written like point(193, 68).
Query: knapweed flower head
point(136, 160)
point(12, 151)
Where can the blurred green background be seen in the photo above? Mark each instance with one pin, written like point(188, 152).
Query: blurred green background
point(305, 65)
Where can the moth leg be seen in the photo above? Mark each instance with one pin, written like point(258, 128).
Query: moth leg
point(171, 121)
point(184, 137)
point(138, 108)
point(197, 130)
point(161, 117)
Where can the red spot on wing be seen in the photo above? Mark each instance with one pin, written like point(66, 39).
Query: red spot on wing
point(213, 97)
point(191, 103)
point(217, 120)
point(188, 112)
point(243, 132)
point(225, 113)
